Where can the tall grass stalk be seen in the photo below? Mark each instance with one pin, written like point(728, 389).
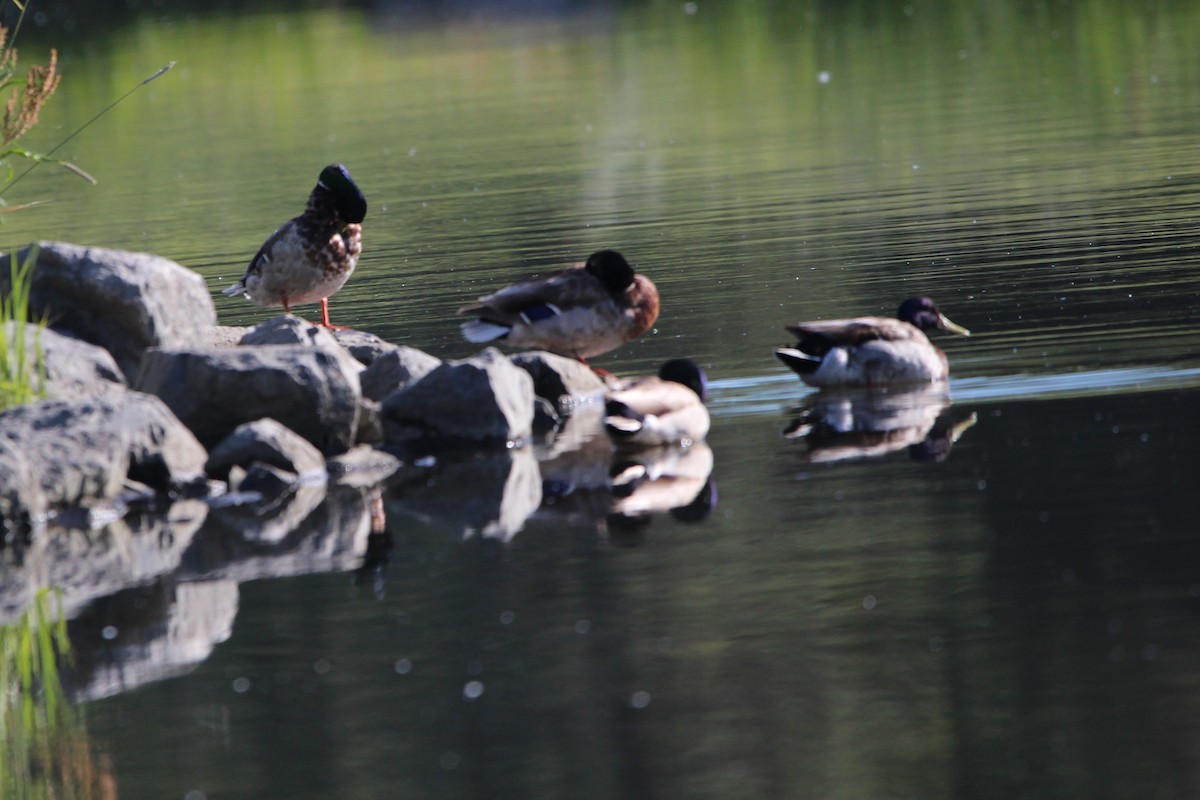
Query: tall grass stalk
point(22, 367)
point(26, 96)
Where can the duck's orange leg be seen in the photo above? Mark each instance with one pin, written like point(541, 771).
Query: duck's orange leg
point(325, 323)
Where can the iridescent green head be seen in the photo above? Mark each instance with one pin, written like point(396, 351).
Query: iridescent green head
point(921, 312)
point(611, 269)
point(687, 372)
point(347, 198)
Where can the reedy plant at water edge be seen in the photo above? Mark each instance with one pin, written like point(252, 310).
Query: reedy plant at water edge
point(22, 368)
point(25, 100)
point(26, 96)
point(45, 753)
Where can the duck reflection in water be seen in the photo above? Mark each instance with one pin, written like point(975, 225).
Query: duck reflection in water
point(621, 490)
point(672, 480)
point(379, 545)
point(844, 425)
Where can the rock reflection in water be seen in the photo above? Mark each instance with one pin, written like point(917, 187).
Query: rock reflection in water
point(575, 467)
point(576, 479)
point(149, 596)
point(271, 518)
point(489, 493)
point(85, 565)
point(332, 537)
point(148, 633)
point(843, 425)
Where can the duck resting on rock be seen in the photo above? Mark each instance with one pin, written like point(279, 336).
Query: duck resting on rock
point(310, 256)
point(871, 351)
point(579, 312)
point(663, 409)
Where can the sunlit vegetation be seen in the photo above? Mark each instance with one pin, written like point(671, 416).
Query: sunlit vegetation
point(44, 747)
point(22, 369)
point(25, 96)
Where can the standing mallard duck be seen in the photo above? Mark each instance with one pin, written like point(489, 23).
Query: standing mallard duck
point(666, 409)
point(871, 351)
point(579, 312)
point(310, 257)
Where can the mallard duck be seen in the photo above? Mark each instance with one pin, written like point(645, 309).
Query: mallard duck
point(579, 312)
point(310, 257)
point(666, 409)
point(871, 351)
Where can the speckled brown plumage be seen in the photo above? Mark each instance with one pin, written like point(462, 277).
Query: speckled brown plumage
point(310, 257)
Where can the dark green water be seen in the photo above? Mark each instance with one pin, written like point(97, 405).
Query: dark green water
point(1016, 617)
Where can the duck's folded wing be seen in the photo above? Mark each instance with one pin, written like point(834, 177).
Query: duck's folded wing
point(539, 298)
point(822, 335)
point(267, 252)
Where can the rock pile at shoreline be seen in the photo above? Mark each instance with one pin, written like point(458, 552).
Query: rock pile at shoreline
point(147, 395)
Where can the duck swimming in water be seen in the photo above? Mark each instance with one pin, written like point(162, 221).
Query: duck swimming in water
point(663, 409)
point(871, 351)
point(579, 312)
point(310, 256)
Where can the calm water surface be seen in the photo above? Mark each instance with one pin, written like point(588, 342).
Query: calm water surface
point(990, 594)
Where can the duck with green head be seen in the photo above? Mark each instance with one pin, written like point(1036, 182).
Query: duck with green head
point(310, 256)
point(657, 410)
point(578, 312)
point(871, 351)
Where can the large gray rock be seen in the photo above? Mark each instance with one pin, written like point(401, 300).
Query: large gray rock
point(162, 451)
point(267, 442)
point(394, 369)
point(564, 382)
point(365, 347)
point(370, 423)
point(288, 329)
point(484, 399)
point(73, 369)
point(121, 301)
point(67, 453)
point(313, 392)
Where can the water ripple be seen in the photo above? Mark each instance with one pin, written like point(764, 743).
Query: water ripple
point(768, 394)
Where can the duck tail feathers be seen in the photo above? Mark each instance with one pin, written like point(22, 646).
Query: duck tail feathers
point(237, 288)
point(620, 420)
point(797, 360)
point(480, 330)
